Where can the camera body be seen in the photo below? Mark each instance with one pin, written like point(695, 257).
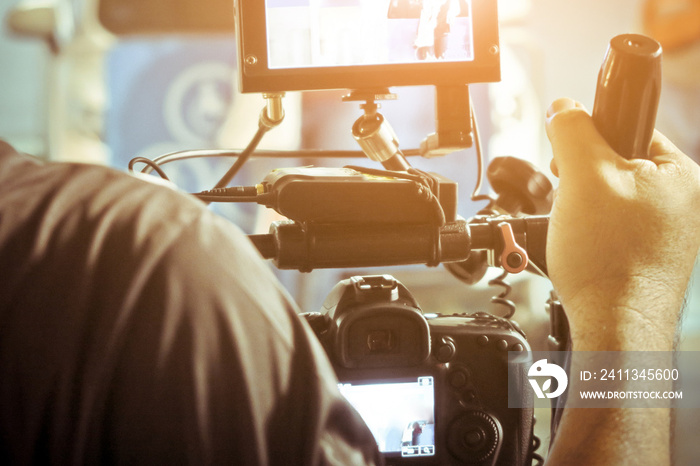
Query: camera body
point(433, 389)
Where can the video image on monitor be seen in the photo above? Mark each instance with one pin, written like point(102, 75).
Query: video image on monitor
point(332, 33)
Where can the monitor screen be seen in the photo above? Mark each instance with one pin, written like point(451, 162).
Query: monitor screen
point(351, 33)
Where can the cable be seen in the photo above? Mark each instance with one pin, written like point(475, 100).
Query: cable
point(235, 194)
point(386, 173)
point(302, 154)
point(231, 198)
point(430, 185)
point(149, 164)
point(536, 443)
point(190, 154)
point(231, 173)
point(502, 298)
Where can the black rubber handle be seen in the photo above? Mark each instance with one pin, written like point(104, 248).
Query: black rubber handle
point(627, 94)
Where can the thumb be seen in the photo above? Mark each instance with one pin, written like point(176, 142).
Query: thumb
point(576, 143)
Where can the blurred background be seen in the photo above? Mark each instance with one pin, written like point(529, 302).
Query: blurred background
point(159, 81)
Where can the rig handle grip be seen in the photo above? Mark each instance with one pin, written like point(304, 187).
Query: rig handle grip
point(627, 94)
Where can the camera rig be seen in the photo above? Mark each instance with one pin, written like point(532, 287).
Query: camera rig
point(364, 217)
point(360, 217)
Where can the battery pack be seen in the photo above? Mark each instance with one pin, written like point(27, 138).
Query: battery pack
point(344, 195)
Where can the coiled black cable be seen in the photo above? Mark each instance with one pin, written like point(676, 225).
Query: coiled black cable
point(536, 443)
point(502, 299)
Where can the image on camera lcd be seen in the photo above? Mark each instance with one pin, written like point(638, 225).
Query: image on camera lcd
point(400, 414)
point(333, 33)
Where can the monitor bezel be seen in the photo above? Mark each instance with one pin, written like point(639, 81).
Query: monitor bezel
point(256, 76)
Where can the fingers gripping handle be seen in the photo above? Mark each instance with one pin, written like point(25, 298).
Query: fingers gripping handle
point(627, 94)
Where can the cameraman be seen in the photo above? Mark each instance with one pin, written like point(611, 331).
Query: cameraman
point(135, 326)
point(138, 327)
point(623, 238)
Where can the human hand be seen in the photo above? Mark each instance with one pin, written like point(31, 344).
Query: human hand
point(623, 235)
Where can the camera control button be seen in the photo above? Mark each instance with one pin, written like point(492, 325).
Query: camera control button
point(468, 397)
point(518, 347)
point(482, 340)
point(459, 379)
point(474, 438)
point(446, 350)
point(502, 345)
point(445, 353)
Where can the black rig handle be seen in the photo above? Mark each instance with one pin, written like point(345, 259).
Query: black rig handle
point(627, 94)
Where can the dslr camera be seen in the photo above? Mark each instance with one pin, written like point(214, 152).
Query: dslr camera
point(433, 389)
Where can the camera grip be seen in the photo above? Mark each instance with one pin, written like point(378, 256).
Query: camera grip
point(627, 94)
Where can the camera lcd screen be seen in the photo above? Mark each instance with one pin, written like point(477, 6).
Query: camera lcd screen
point(287, 45)
point(400, 414)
